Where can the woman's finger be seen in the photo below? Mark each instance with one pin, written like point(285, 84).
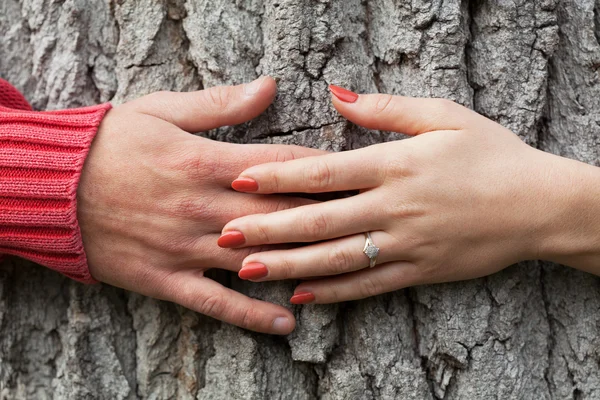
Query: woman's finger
point(323, 259)
point(350, 170)
point(358, 285)
point(409, 115)
point(312, 223)
point(198, 293)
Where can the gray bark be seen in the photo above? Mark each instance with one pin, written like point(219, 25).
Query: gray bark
point(529, 332)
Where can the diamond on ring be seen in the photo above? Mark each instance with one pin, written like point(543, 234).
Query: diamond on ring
point(371, 250)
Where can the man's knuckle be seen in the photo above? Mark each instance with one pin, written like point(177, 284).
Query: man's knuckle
point(191, 208)
point(318, 176)
point(196, 166)
point(212, 304)
point(148, 276)
point(177, 246)
point(248, 318)
point(444, 107)
point(193, 167)
point(158, 96)
point(219, 97)
point(158, 104)
point(285, 204)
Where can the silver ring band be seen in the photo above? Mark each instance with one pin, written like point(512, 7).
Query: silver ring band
point(370, 250)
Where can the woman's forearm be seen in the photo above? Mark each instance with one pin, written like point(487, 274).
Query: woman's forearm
point(573, 229)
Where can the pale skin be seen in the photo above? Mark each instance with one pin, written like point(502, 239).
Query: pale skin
point(153, 199)
point(462, 199)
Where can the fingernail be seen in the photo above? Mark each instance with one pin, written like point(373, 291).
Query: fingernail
point(253, 87)
point(343, 94)
point(302, 298)
point(245, 185)
point(231, 239)
point(282, 325)
point(253, 271)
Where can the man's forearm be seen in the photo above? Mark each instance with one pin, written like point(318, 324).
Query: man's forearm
point(41, 158)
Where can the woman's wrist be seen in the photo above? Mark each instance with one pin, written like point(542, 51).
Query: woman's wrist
point(572, 226)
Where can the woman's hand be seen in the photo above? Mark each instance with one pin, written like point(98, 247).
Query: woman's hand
point(463, 199)
point(153, 199)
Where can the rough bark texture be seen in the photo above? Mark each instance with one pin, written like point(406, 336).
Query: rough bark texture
point(530, 332)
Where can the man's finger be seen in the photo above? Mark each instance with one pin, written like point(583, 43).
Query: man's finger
point(198, 293)
point(210, 108)
point(213, 212)
point(238, 205)
point(242, 156)
point(408, 115)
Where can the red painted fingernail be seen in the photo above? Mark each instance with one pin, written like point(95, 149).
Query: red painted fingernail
point(253, 271)
point(245, 185)
point(302, 298)
point(231, 239)
point(343, 94)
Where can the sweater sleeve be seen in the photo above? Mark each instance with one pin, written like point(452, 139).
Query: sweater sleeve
point(41, 158)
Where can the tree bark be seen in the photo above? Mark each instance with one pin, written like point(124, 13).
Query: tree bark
point(529, 332)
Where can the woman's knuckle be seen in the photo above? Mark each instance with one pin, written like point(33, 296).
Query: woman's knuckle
point(318, 176)
point(287, 269)
point(284, 154)
point(368, 287)
point(270, 180)
point(263, 232)
point(339, 260)
point(396, 167)
point(384, 104)
point(316, 226)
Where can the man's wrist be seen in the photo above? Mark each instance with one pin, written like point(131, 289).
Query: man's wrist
point(42, 156)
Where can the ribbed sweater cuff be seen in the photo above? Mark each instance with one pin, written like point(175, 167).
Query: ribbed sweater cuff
point(41, 158)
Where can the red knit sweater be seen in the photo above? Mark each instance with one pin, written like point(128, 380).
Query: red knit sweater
point(41, 157)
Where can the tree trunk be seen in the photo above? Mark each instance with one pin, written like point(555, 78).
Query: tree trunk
point(529, 332)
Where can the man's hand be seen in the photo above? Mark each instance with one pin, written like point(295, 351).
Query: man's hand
point(153, 199)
